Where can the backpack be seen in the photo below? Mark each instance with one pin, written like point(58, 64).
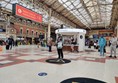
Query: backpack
point(59, 45)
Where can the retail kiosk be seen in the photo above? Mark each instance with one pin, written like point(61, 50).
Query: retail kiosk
point(77, 34)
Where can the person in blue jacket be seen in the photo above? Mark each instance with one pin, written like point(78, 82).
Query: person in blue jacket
point(102, 43)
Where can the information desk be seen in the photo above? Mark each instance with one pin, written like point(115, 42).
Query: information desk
point(67, 47)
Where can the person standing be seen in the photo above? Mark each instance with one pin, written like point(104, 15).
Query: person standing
point(113, 45)
point(102, 43)
point(60, 49)
point(72, 44)
point(11, 41)
point(16, 43)
point(7, 44)
point(50, 45)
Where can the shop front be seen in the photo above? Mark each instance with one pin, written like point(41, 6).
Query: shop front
point(69, 35)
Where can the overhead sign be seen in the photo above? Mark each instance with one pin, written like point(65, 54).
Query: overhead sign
point(70, 31)
point(26, 13)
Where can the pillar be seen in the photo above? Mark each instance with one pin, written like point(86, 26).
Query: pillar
point(7, 25)
point(49, 23)
point(45, 34)
point(117, 29)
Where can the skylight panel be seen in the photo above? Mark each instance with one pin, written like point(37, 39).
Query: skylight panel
point(76, 2)
point(89, 4)
point(9, 6)
point(68, 3)
point(14, 1)
point(86, 1)
point(110, 1)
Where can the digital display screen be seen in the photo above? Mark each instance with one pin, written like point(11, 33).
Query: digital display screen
point(26, 13)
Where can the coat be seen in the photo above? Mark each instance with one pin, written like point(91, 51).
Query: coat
point(102, 41)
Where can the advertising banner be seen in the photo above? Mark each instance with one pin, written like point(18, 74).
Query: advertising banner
point(21, 11)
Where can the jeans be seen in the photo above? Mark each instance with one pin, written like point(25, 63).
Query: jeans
point(60, 53)
point(102, 50)
point(50, 48)
point(113, 49)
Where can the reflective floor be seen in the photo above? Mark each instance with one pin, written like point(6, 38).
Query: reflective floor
point(27, 64)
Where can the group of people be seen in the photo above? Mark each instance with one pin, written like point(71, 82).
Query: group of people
point(113, 44)
point(10, 43)
point(101, 43)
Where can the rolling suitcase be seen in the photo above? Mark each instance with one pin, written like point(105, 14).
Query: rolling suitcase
point(7, 47)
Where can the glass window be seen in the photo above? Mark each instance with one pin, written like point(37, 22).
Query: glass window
point(32, 32)
point(27, 32)
point(14, 1)
point(36, 33)
point(68, 3)
point(86, 1)
point(89, 4)
point(21, 31)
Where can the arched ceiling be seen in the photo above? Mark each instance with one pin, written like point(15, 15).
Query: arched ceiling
point(87, 13)
point(80, 13)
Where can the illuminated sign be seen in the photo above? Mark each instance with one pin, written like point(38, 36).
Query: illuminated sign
point(70, 31)
point(26, 13)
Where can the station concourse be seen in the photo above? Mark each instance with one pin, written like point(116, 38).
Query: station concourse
point(30, 34)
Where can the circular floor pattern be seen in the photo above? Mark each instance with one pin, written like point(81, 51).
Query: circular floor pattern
point(56, 61)
point(42, 74)
point(82, 80)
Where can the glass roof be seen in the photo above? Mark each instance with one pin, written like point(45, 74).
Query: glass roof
point(54, 21)
point(92, 13)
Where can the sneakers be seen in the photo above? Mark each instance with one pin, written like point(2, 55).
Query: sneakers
point(60, 60)
point(111, 56)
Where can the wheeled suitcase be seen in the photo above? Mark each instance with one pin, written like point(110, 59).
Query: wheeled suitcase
point(7, 47)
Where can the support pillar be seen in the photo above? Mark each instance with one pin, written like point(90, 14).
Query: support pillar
point(49, 24)
point(117, 30)
point(7, 24)
point(45, 34)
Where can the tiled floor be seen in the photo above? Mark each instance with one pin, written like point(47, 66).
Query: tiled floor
point(23, 64)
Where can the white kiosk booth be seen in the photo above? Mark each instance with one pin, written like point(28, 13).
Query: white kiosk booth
point(68, 34)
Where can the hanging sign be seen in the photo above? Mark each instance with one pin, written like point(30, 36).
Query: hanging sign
point(21, 11)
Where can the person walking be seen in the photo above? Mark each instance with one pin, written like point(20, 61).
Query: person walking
point(7, 44)
point(102, 43)
point(11, 41)
point(113, 45)
point(72, 45)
